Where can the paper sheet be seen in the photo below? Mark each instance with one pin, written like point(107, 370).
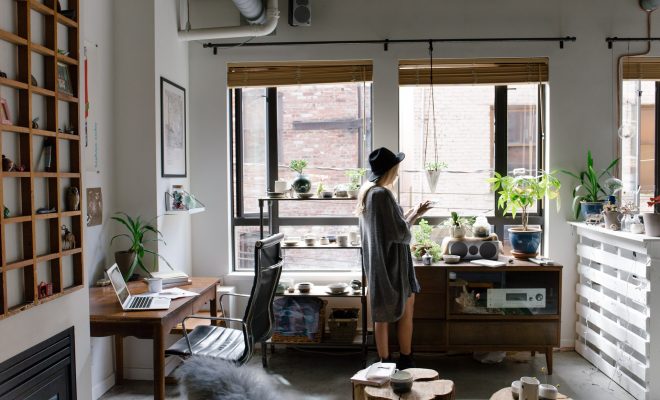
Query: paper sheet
point(172, 293)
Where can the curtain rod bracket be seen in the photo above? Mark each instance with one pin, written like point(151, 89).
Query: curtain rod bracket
point(215, 51)
point(386, 44)
point(561, 44)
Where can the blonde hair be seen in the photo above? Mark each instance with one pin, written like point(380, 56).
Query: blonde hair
point(386, 181)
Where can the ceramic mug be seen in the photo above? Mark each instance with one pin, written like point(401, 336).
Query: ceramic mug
point(155, 285)
point(279, 187)
point(530, 388)
point(310, 241)
point(342, 240)
point(353, 238)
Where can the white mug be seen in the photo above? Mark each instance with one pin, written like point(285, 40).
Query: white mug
point(342, 240)
point(353, 238)
point(279, 186)
point(155, 284)
point(530, 388)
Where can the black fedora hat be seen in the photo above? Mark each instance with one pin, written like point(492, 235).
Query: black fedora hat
point(381, 161)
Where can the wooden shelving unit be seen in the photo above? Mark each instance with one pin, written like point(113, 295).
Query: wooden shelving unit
point(38, 186)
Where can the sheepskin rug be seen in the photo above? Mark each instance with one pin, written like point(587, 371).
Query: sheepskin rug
point(205, 378)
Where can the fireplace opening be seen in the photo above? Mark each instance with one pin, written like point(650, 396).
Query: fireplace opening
point(46, 371)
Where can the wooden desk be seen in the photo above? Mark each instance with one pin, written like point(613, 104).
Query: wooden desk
point(107, 318)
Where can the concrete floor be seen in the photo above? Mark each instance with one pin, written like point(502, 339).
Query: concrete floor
point(327, 374)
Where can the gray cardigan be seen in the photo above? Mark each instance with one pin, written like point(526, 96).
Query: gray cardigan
point(386, 255)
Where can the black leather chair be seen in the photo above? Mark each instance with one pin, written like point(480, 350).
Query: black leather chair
point(237, 345)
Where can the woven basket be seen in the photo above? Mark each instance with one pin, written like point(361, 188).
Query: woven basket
point(343, 330)
point(302, 338)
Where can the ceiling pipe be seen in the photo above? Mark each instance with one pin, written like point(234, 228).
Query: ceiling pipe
point(249, 9)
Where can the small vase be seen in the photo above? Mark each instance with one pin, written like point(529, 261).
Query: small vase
point(651, 224)
point(457, 232)
point(591, 207)
point(612, 220)
point(432, 179)
point(302, 184)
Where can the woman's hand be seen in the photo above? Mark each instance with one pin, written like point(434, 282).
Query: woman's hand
point(419, 210)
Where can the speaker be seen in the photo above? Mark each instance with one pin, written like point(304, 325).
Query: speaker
point(300, 13)
point(473, 249)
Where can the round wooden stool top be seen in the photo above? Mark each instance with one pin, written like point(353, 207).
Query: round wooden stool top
point(426, 386)
point(505, 394)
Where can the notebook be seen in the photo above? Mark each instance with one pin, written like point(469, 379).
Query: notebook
point(133, 303)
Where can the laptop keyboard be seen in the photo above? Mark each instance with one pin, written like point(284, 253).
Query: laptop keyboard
point(140, 302)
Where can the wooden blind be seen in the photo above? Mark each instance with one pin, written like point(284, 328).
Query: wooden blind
point(474, 71)
point(641, 68)
point(298, 73)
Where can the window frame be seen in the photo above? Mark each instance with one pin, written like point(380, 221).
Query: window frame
point(239, 217)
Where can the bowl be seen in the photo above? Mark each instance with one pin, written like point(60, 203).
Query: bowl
point(305, 195)
point(326, 194)
point(338, 287)
point(401, 382)
point(305, 287)
point(547, 392)
point(516, 388)
point(310, 241)
point(451, 259)
point(291, 241)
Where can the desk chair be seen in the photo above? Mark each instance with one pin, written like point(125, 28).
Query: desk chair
point(237, 345)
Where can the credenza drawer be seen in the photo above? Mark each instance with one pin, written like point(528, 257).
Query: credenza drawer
point(509, 333)
point(432, 279)
point(430, 305)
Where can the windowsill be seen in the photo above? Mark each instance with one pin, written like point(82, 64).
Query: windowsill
point(319, 276)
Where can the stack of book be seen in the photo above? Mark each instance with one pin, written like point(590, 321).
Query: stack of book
point(172, 278)
point(375, 375)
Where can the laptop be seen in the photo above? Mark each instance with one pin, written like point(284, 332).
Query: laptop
point(134, 303)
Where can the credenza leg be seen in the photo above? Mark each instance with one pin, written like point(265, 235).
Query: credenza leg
point(548, 359)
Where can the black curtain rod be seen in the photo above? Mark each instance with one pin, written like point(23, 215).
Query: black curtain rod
point(611, 40)
point(387, 42)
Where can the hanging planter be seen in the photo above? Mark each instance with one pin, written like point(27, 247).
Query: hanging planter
point(433, 170)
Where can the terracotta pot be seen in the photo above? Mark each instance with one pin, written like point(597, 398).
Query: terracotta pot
point(124, 260)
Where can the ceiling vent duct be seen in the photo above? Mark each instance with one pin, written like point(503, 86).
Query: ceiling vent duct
point(262, 22)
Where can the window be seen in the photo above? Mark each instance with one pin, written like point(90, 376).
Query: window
point(471, 117)
point(329, 125)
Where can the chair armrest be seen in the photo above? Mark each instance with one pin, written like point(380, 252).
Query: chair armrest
point(222, 308)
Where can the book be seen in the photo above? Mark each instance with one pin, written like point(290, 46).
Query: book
point(489, 263)
point(542, 261)
point(171, 277)
point(375, 375)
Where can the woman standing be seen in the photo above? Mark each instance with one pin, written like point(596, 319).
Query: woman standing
point(387, 261)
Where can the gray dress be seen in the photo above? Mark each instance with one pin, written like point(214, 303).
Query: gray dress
point(386, 255)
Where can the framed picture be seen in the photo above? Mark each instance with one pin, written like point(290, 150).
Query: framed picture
point(5, 117)
point(173, 129)
point(64, 79)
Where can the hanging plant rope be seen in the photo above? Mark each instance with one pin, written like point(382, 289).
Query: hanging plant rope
point(430, 109)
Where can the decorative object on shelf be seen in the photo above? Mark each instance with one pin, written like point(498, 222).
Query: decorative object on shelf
point(5, 116)
point(102, 282)
point(172, 129)
point(70, 14)
point(7, 164)
point(3, 74)
point(458, 225)
point(33, 81)
point(427, 259)
point(588, 194)
point(310, 240)
point(612, 216)
point(35, 123)
point(401, 382)
point(67, 129)
point(636, 226)
point(651, 219)
point(68, 239)
point(177, 197)
point(47, 154)
point(5, 211)
point(305, 287)
point(451, 258)
point(342, 240)
point(433, 170)
point(94, 206)
point(44, 210)
point(356, 284)
point(72, 198)
point(519, 192)
point(481, 227)
point(19, 167)
point(354, 181)
point(63, 78)
point(45, 289)
point(324, 241)
point(137, 229)
point(279, 186)
point(302, 183)
point(178, 200)
point(423, 243)
point(63, 52)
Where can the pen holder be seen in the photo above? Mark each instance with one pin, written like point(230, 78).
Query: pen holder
point(154, 285)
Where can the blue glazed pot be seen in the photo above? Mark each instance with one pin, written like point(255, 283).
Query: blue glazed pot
point(526, 242)
point(302, 184)
point(587, 208)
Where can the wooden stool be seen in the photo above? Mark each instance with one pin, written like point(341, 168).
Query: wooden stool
point(505, 394)
point(426, 386)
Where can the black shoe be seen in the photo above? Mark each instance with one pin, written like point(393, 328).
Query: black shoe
point(405, 361)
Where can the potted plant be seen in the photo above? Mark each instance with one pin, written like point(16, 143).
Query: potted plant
point(518, 193)
point(458, 225)
point(652, 220)
point(612, 216)
point(354, 181)
point(433, 173)
point(302, 183)
point(423, 243)
point(589, 194)
point(138, 229)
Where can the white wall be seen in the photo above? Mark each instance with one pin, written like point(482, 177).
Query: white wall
point(581, 89)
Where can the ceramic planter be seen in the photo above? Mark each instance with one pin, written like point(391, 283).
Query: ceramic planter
point(353, 194)
point(432, 179)
point(124, 260)
point(525, 242)
point(302, 184)
point(612, 220)
point(651, 224)
point(457, 232)
point(590, 207)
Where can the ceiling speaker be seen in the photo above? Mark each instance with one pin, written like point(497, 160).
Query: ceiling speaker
point(300, 13)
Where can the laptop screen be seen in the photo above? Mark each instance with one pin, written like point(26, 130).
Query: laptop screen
point(118, 283)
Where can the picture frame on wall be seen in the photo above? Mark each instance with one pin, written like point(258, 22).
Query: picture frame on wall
point(5, 116)
point(64, 79)
point(173, 129)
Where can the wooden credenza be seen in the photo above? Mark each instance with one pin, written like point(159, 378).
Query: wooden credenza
point(441, 323)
